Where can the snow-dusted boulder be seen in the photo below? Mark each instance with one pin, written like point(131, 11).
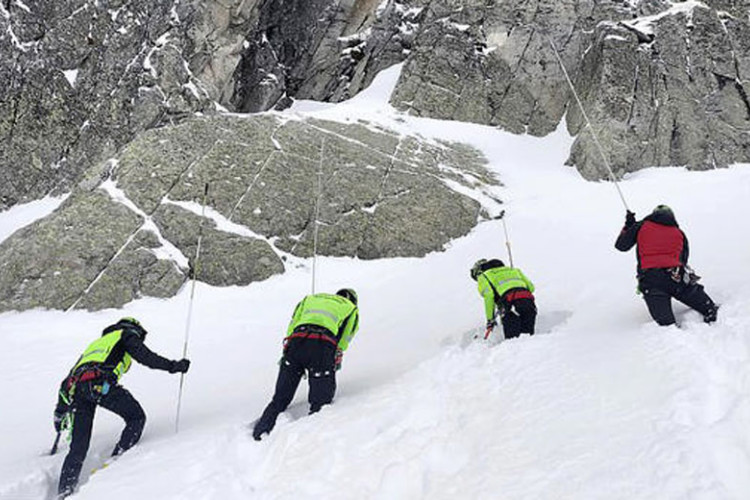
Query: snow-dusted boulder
point(131, 228)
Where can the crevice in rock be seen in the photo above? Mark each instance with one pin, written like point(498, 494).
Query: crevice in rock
point(634, 92)
point(722, 80)
point(378, 198)
point(495, 106)
point(259, 173)
point(179, 176)
point(743, 94)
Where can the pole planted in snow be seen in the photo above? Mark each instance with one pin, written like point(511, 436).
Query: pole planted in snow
point(196, 269)
point(501, 217)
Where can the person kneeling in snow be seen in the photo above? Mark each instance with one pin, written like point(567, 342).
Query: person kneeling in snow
point(321, 329)
point(93, 382)
point(663, 273)
point(506, 291)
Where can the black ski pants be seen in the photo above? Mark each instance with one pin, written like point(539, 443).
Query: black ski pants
point(315, 356)
point(518, 316)
point(659, 288)
point(87, 396)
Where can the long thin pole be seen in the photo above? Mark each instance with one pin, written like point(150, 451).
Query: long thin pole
point(190, 305)
point(317, 213)
point(501, 216)
point(586, 119)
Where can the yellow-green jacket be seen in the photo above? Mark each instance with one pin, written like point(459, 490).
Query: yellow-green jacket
point(336, 314)
point(493, 283)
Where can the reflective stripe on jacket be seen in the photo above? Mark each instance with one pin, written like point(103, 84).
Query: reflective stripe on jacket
point(100, 351)
point(336, 314)
point(500, 280)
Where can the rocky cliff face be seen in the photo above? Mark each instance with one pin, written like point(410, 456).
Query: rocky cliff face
point(79, 79)
point(114, 100)
point(663, 83)
point(89, 75)
point(132, 226)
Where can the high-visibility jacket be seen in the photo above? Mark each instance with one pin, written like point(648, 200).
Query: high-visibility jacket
point(494, 283)
point(336, 314)
point(108, 354)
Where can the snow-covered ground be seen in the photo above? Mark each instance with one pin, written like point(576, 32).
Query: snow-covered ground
point(602, 404)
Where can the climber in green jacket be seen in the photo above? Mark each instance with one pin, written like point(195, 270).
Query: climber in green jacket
point(321, 329)
point(94, 381)
point(508, 292)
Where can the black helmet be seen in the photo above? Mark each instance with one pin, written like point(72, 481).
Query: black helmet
point(482, 265)
point(348, 293)
point(133, 324)
point(477, 269)
point(663, 209)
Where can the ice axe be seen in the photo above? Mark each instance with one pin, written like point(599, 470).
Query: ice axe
point(488, 331)
point(54, 445)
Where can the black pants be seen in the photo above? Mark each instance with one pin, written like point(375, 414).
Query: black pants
point(87, 396)
point(659, 288)
point(315, 356)
point(518, 316)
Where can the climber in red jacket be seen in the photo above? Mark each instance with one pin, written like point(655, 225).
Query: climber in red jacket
point(663, 273)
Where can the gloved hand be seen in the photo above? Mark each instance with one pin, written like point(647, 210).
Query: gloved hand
point(180, 366)
point(629, 218)
point(338, 359)
point(491, 324)
point(58, 418)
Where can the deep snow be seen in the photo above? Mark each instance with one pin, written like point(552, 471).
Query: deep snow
point(601, 404)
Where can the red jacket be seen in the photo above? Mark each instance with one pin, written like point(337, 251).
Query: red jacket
point(661, 242)
point(659, 246)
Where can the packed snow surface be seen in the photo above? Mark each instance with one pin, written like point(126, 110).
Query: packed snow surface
point(600, 404)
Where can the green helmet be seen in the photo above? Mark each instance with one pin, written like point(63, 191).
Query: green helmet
point(348, 293)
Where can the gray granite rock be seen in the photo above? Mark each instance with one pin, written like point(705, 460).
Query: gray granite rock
point(662, 84)
point(669, 89)
point(225, 258)
point(136, 272)
point(131, 228)
point(86, 77)
point(52, 262)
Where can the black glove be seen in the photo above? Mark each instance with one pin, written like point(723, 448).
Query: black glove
point(629, 218)
point(58, 419)
point(180, 366)
point(338, 359)
point(491, 324)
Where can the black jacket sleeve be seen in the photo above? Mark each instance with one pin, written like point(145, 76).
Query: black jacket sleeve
point(139, 352)
point(685, 250)
point(628, 237)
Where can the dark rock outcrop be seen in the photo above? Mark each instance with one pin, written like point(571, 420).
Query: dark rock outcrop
point(663, 83)
point(79, 79)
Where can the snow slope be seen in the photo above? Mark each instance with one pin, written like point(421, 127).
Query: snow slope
point(602, 404)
